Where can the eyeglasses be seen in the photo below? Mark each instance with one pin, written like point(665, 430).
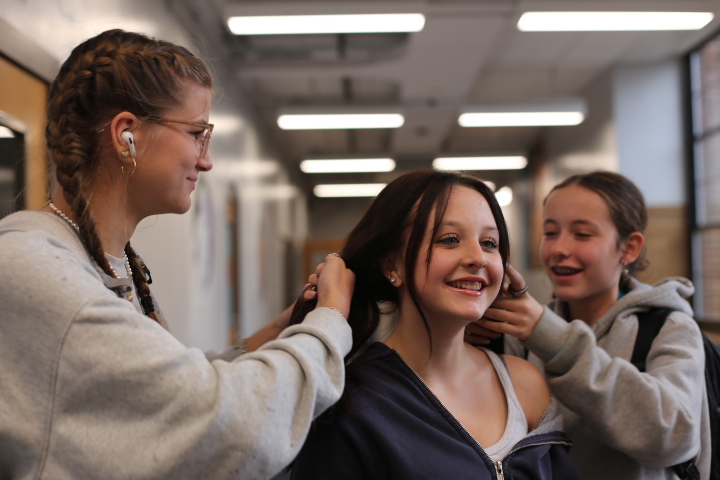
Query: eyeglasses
point(204, 135)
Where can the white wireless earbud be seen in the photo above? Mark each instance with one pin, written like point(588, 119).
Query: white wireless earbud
point(128, 138)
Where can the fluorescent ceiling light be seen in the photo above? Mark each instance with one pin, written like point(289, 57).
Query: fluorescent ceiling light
point(348, 165)
point(5, 132)
point(611, 21)
point(307, 24)
point(480, 163)
point(340, 121)
point(349, 190)
point(520, 119)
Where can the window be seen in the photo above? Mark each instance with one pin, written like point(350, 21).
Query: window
point(704, 67)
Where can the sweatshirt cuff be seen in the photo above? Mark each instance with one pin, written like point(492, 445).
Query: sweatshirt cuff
point(549, 336)
point(327, 321)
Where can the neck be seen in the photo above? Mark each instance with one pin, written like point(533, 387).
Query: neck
point(410, 339)
point(591, 309)
point(113, 228)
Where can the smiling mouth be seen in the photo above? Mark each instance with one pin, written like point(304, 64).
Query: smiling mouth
point(565, 271)
point(475, 286)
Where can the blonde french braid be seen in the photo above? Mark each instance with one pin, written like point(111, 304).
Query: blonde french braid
point(113, 72)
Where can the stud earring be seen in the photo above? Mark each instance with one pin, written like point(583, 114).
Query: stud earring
point(392, 280)
point(125, 154)
point(625, 270)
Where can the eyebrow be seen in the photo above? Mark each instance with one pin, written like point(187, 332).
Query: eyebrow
point(451, 223)
point(574, 222)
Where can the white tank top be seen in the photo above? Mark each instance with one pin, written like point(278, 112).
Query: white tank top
point(516, 427)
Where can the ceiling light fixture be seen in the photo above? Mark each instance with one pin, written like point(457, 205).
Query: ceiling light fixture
point(520, 119)
point(348, 165)
point(313, 24)
point(340, 121)
point(554, 112)
point(516, 162)
point(611, 21)
point(348, 190)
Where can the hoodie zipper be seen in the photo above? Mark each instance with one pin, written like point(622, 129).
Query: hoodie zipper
point(499, 472)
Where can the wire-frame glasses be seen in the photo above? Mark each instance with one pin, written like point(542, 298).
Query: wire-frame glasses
point(205, 134)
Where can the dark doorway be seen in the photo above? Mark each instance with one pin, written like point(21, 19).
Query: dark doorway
point(12, 165)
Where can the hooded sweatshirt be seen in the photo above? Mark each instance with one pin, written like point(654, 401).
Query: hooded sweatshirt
point(626, 424)
point(91, 388)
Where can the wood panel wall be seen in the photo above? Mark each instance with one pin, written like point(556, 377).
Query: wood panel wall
point(24, 96)
point(667, 244)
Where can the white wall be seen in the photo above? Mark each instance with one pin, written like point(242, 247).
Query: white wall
point(648, 118)
point(187, 254)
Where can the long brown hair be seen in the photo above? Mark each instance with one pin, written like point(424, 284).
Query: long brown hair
point(113, 72)
point(397, 219)
point(626, 204)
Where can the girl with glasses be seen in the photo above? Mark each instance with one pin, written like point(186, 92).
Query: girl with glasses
point(93, 384)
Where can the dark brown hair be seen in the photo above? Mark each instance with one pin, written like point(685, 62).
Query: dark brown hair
point(625, 202)
point(397, 219)
point(113, 72)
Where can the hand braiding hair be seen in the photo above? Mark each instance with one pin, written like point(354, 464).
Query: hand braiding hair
point(113, 72)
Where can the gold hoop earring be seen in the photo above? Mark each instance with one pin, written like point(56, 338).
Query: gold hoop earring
point(122, 167)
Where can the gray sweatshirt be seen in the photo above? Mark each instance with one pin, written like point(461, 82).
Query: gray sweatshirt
point(624, 424)
point(90, 388)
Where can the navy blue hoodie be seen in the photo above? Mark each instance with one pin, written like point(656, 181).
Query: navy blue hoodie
point(395, 428)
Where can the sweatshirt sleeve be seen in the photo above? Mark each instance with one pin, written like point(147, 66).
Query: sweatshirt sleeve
point(135, 403)
point(654, 417)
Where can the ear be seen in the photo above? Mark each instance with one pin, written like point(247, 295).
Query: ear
point(122, 122)
point(391, 269)
point(632, 247)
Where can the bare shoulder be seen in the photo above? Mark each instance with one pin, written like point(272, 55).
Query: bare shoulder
point(530, 387)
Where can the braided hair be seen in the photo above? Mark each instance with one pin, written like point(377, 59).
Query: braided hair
point(113, 72)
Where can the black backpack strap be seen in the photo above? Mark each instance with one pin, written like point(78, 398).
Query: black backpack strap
point(687, 470)
point(649, 324)
point(712, 383)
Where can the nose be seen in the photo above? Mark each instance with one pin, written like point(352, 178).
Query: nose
point(205, 163)
point(474, 257)
point(560, 245)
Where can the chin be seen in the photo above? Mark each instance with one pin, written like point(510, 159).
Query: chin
point(566, 296)
point(182, 207)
